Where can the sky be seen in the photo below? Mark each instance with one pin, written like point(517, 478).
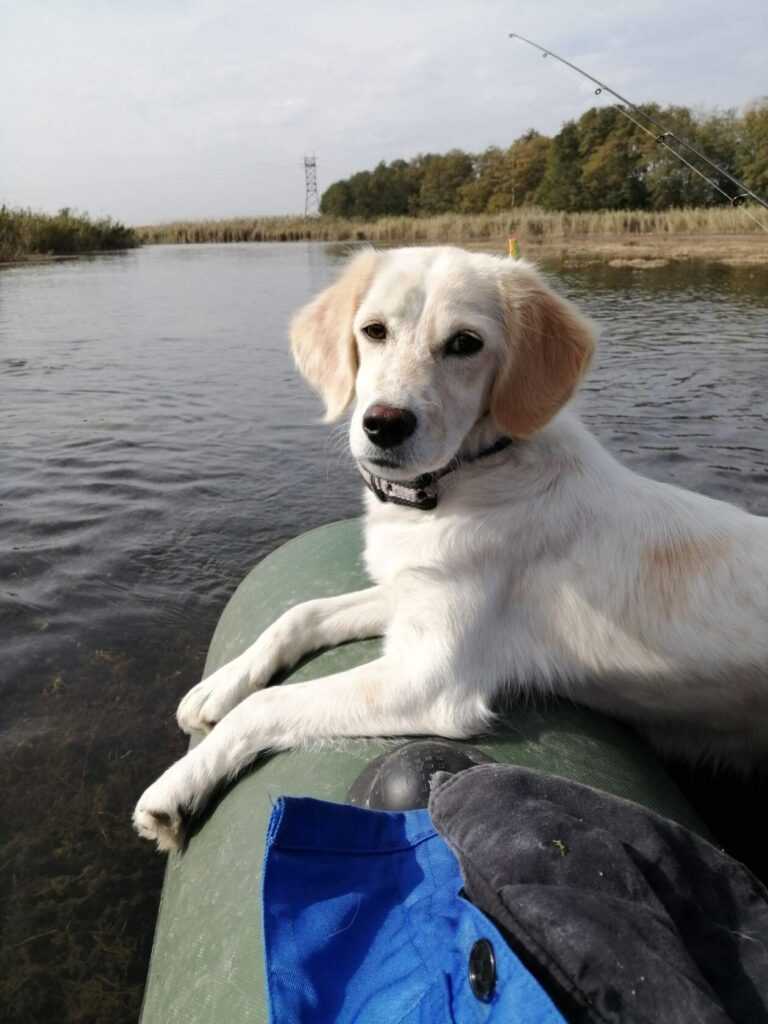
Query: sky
point(156, 110)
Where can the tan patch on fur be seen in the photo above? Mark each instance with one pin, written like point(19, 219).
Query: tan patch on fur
point(550, 345)
point(322, 339)
point(370, 694)
point(669, 569)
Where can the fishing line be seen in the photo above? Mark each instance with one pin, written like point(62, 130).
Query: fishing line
point(662, 135)
point(731, 199)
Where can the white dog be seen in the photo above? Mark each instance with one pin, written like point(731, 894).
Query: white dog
point(508, 548)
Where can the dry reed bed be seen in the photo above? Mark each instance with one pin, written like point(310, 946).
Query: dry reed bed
point(526, 223)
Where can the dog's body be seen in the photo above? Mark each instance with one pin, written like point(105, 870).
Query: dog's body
point(545, 567)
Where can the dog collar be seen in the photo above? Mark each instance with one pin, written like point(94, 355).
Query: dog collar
point(422, 493)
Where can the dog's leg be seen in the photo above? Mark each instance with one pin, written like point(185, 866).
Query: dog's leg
point(377, 699)
point(306, 627)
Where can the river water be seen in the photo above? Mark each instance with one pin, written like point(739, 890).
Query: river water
point(156, 442)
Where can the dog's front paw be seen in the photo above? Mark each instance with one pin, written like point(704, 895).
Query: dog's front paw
point(189, 713)
point(161, 827)
point(206, 704)
point(162, 811)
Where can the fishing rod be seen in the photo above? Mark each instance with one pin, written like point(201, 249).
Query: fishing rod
point(662, 136)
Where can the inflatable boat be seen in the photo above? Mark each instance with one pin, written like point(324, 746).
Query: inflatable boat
point(207, 960)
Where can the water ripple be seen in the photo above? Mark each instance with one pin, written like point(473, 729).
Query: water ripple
point(157, 442)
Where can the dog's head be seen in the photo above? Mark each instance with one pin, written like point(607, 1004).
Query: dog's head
point(427, 341)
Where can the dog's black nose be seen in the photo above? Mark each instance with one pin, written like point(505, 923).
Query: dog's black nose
point(387, 426)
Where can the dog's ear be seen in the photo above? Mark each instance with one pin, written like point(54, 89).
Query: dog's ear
point(549, 347)
point(322, 340)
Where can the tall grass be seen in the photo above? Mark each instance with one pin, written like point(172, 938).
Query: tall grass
point(527, 223)
point(26, 233)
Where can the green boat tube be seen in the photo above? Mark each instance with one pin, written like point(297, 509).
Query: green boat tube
point(207, 960)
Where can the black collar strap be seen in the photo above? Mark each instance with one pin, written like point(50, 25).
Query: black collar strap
point(422, 493)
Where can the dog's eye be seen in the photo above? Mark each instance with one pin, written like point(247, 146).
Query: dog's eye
point(375, 331)
point(463, 344)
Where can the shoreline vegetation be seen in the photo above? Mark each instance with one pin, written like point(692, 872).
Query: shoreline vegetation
point(641, 239)
point(621, 237)
point(25, 234)
point(636, 238)
point(600, 190)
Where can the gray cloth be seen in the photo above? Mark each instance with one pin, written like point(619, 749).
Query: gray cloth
point(622, 915)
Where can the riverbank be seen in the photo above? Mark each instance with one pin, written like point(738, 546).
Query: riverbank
point(29, 236)
point(724, 235)
point(650, 251)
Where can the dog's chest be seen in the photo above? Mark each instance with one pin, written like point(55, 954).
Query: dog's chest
point(403, 541)
point(448, 545)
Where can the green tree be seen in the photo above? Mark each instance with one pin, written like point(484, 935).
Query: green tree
point(388, 190)
point(394, 188)
point(360, 194)
point(613, 163)
point(526, 160)
point(336, 201)
point(506, 178)
point(717, 135)
point(560, 188)
point(441, 178)
point(752, 148)
point(670, 182)
point(489, 178)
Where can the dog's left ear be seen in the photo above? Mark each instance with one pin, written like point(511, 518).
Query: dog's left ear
point(549, 347)
point(322, 339)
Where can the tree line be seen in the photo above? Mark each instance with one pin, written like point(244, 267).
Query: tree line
point(602, 161)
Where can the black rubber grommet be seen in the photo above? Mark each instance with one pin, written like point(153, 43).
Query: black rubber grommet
point(482, 970)
point(399, 779)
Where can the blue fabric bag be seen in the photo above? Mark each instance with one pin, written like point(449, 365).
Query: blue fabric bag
point(364, 921)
